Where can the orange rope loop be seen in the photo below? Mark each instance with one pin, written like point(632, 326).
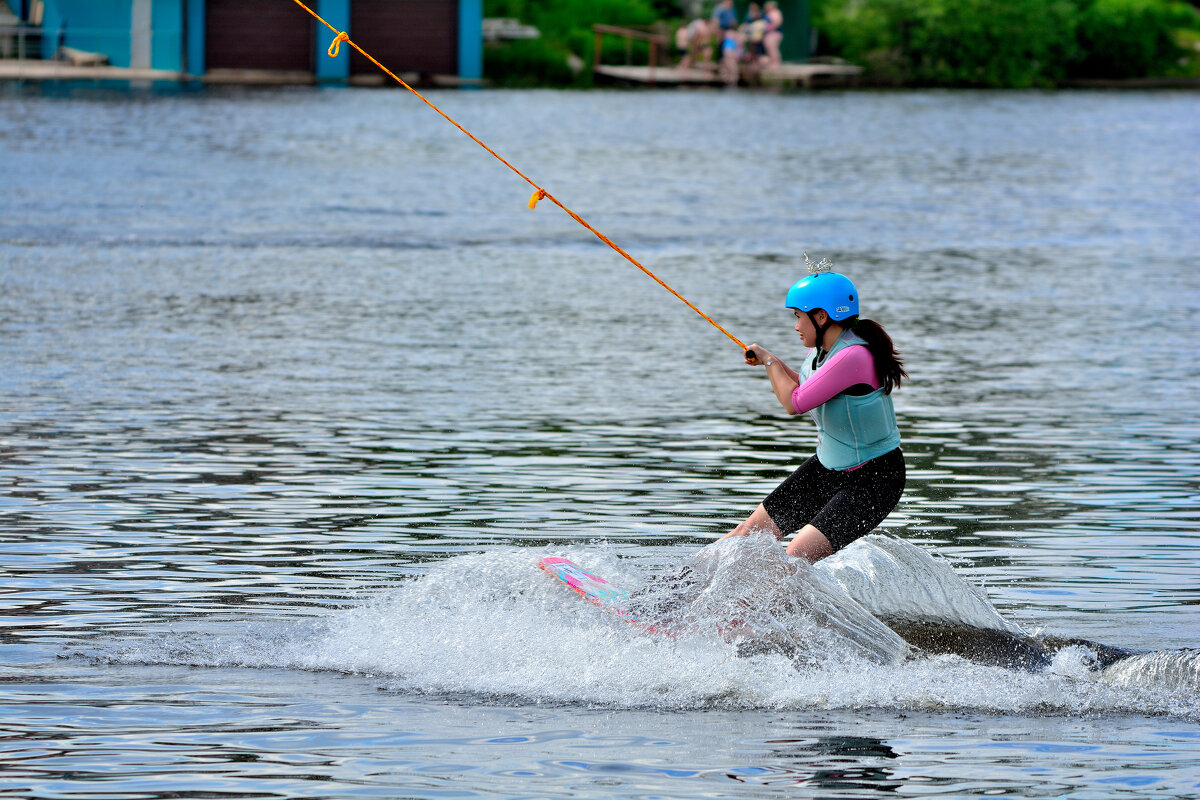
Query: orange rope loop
point(337, 42)
point(539, 193)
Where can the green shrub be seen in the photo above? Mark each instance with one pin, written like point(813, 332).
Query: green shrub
point(1015, 43)
point(1188, 65)
point(956, 42)
point(1131, 38)
point(860, 31)
point(527, 62)
point(1006, 42)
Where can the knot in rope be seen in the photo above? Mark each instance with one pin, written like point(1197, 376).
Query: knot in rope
point(536, 198)
point(337, 43)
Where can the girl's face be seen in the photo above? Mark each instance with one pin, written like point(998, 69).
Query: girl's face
point(805, 327)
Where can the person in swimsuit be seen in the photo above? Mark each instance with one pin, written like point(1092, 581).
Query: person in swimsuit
point(773, 35)
point(694, 43)
point(845, 381)
point(731, 54)
point(753, 30)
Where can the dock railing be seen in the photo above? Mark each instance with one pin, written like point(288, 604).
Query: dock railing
point(20, 42)
point(654, 36)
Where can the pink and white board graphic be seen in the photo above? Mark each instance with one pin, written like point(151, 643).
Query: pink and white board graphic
point(593, 587)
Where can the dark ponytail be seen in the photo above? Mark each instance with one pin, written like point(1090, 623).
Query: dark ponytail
point(889, 367)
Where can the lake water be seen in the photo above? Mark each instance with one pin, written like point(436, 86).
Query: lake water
point(296, 391)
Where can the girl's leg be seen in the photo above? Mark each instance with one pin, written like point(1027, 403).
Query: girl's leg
point(809, 544)
point(868, 495)
point(760, 520)
point(793, 502)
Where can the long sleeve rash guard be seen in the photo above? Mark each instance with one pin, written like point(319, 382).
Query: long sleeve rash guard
point(847, 367)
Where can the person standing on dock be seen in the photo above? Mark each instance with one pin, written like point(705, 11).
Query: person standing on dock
point(773, 36)
point(724, 17)
point(753, 31)
point(694, 43)
point(846, 380)
point(731, 56)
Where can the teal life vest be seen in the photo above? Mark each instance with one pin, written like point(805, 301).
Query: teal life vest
point(852, 430)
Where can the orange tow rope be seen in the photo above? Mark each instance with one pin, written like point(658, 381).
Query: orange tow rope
point(539, 193)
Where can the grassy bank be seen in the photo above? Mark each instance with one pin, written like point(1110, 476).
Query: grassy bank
point(991, 43)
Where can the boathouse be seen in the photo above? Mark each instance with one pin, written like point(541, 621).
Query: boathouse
point(212, 37)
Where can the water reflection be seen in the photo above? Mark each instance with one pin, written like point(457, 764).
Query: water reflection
point(839, 763)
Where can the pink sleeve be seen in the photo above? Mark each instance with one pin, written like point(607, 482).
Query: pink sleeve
point(848, 367)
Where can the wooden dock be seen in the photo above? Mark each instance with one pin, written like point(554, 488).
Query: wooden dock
point(808, 76)
point(657, 76)
point(36, 70)
point(59, 71)
point(811, 76)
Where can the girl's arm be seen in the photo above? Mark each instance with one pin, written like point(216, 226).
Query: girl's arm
point(848, 367)
point(784, 380)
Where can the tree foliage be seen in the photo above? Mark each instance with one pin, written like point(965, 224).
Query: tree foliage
point(1001, 43)
point(1131, 38)
point(1012, 43)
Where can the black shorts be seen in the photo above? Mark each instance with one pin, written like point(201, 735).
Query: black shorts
point(842, 504)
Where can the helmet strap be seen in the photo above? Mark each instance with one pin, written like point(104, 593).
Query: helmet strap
point(812, 316)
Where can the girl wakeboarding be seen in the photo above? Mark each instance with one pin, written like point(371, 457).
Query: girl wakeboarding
point(846, 380)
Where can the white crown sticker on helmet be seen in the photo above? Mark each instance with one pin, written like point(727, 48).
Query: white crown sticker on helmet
point(824, 265)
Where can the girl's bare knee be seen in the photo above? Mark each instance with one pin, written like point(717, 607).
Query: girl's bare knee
point(810, 544)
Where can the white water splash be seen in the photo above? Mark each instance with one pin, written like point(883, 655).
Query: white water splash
point(782, 601)
point(1177, 670)
point(896, 580)
point(492, 624)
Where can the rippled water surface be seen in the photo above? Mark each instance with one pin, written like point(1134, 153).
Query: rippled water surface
point(296, 391)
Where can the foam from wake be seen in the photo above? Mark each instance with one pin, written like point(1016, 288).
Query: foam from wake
point(493, 625)
point(752, 592)
point(897, 580)
point(1170, 669)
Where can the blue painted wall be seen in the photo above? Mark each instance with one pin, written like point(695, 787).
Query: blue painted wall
point(98, 26)
point(470, 38)
point(337, 14)
point(103, 26)
point(194, 18)
point(166, 48)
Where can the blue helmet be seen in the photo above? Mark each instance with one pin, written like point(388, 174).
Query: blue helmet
point(831, 291)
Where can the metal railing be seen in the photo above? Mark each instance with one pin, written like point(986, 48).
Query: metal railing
point(655, 39)
point(21, 42)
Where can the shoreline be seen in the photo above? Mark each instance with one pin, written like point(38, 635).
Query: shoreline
point(32, 70)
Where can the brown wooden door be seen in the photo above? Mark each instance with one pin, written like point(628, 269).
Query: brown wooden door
point(257, 34)
point(405, 35)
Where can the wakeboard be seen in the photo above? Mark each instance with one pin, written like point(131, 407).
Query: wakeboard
point(594, 588)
